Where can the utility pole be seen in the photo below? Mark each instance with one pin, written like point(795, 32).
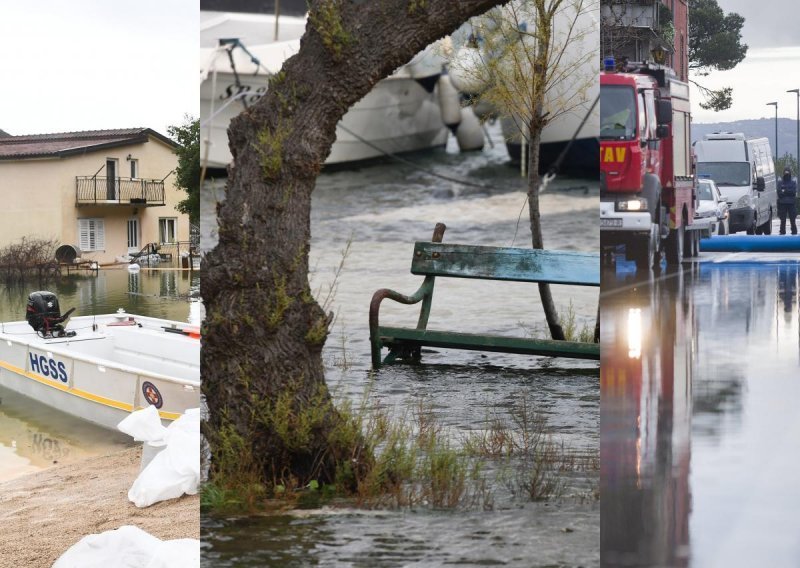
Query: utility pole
point(775, 104)
point(797, 156)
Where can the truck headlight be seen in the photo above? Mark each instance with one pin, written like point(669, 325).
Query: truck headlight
point(637, 204)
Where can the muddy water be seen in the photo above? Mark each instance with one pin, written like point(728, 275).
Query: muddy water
point(699, 424)
point(34, 436)
point(381, 210)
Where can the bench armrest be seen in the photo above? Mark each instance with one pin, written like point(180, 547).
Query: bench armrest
point(423, 294)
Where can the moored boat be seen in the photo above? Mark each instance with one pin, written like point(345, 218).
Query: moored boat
point(101, 368)
point(402, 113)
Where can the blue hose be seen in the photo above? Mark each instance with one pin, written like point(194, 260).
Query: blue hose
point(751, 243)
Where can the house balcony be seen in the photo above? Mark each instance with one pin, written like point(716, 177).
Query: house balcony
point(638, 14)
point(95, 190)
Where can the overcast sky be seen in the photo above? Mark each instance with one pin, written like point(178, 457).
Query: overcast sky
point(92, 64)
point(771, 68)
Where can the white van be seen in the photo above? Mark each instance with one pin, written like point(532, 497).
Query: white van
point(745, 175)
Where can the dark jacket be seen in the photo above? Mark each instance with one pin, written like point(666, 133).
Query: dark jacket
point(787, 191)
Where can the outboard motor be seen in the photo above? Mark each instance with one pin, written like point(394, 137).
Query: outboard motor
point(44, 315)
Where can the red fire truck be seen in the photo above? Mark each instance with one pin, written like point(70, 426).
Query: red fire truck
point(647, 190)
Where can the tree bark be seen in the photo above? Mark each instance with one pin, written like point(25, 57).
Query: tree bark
point(264, 332)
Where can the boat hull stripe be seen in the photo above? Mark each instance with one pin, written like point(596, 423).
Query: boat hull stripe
point(81, 393)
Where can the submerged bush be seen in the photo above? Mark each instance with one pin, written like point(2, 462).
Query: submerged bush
point(29, 258)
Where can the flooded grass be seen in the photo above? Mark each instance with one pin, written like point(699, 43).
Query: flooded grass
point(534, 464)
point(415, 462)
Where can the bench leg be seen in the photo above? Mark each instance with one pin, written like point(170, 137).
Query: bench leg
point(405, 353)
point(375, 348)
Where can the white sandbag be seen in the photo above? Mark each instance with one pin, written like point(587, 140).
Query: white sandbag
point(130, 547)
point(143, 425)
point(183, 552)
point(176, 469)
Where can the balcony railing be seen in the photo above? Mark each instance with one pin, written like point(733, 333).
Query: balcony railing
point(95, 190)
point(642, 14)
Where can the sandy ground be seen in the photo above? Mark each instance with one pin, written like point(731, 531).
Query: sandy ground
point(43, 514)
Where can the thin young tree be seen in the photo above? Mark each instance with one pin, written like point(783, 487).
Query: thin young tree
point(538, 65)
point(264, 331)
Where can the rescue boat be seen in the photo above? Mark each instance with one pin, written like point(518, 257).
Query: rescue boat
point(100, 368)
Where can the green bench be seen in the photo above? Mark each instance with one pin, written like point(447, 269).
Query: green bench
point(435, 259)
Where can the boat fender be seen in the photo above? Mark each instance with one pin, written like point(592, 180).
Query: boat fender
point(449, 102)
point(469, 133)
point(468, 72)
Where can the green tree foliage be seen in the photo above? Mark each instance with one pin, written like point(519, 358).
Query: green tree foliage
point(188, 171)
point(715, 43)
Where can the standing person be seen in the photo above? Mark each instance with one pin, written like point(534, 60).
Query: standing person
point(787, 191)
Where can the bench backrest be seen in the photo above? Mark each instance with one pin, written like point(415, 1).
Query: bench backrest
point(500, 263)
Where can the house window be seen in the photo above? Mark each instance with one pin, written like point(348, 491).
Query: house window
point(167, 229)
point(91, 235)
point(134, 169)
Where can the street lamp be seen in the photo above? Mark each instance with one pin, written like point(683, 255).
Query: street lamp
point(797, 156)
point(775, 104)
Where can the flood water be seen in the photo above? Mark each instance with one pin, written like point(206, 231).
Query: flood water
point(381, 210)
point(699, 424)
point(34, 436)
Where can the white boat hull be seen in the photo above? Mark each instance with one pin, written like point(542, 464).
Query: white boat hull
point(397, 116)
point(102, 375)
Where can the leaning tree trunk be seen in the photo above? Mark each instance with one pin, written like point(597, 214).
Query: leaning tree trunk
point(269, 409)
point(536, 124)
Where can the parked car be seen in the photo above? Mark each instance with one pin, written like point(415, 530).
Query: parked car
point(712, 209)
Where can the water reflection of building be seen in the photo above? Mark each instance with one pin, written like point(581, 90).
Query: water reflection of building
point(646, 387)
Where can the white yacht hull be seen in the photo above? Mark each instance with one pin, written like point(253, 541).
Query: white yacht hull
point(397, 116)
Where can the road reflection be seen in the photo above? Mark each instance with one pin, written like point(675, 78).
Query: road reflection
point(700, 381)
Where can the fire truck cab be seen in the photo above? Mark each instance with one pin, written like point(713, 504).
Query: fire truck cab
point(647, 191)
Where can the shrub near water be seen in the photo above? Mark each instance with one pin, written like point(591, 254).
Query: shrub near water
point(31, 257)
point(414, 463)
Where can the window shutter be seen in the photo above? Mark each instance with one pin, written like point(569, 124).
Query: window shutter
point(83, 234)
point(91, 234)
point(100, 234)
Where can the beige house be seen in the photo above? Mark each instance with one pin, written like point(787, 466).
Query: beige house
point(108, 192)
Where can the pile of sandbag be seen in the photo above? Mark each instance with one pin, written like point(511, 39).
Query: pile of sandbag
point(175, 469)
point(130, 547)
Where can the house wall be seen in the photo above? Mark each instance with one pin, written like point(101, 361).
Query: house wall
point(680, 19)
point(31, 200)
point(39, 198)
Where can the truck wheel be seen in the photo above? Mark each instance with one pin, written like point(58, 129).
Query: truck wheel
point(753, 229)
point(690, 244)
point(642, 253)
point(675, 246)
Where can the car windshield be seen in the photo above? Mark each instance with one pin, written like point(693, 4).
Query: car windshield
point(617, 113)
point(704, 191)
point(726, 173)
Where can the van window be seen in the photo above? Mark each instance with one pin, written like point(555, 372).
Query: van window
point(726, 173)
